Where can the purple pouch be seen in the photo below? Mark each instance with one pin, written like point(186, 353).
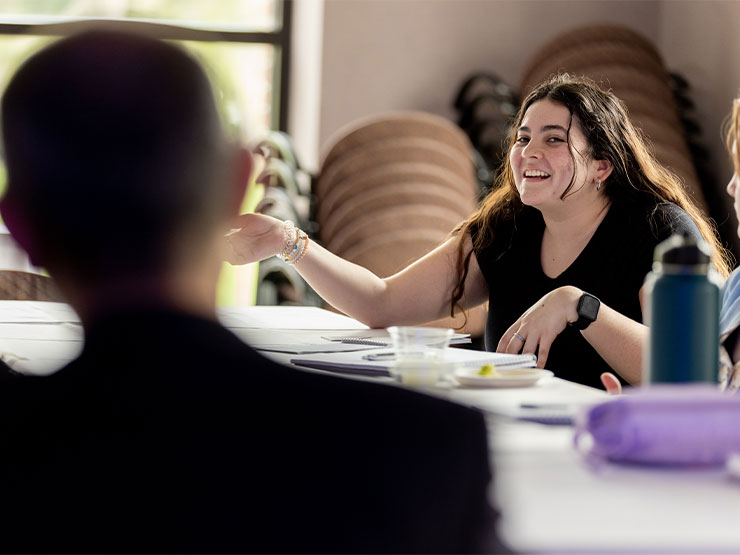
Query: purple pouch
point(674, 425)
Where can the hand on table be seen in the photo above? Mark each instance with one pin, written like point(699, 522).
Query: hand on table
point(254, 237)
point(537, 328)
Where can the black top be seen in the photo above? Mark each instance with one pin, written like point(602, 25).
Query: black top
point(612, 266)
point(169, 434)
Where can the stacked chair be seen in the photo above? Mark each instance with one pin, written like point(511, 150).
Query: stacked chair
point(391, 187)
point(718, 201)
point(486, 106)
point(624, 61)
point(287, 196)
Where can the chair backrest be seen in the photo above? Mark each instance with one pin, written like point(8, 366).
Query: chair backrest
point(397, 218)
point(390, 194)
point(25, 286)
point(393, 174)
point(389, 125)
point(584, 38)
point(579, 58)
point(393, 151)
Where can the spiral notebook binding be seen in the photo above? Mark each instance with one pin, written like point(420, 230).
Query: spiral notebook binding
point(364, 341)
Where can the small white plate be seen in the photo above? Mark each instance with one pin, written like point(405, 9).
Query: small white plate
point(508, 377)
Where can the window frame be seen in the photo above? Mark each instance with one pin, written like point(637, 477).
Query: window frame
point(164, 29)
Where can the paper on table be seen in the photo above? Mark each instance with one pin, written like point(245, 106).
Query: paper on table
point(294, 341)
point(293, 349)
point(299, 317)
point(41, 331)
point(31, 312)
point(381, 338)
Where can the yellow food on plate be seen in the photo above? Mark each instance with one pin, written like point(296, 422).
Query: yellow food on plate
point(488, 370)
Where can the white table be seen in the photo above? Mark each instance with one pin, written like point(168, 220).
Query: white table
point(551, 500)
point(12, 257)
point(40, 337)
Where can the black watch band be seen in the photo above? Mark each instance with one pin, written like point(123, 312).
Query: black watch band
point(588, 310)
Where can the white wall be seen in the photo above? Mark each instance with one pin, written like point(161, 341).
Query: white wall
point(305, 78)
point(701, 41)
point(399, 54)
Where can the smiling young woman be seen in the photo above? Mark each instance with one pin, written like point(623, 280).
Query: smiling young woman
point(559, 248)
point(579, 209)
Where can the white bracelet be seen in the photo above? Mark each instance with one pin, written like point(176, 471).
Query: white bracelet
point(290, 235)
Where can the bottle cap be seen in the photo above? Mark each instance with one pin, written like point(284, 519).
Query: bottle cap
point(682, 250)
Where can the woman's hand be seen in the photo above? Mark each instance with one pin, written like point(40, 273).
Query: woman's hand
point(254, 237)
point(537, 328)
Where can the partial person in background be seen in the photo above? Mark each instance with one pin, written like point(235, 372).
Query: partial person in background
point(168, 433)
point(729, 327)
point(729, 321)
point(559, 248)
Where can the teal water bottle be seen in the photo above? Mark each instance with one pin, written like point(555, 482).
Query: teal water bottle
point(682, 313)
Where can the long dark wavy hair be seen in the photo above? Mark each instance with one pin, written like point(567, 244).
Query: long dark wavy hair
point(637, 176)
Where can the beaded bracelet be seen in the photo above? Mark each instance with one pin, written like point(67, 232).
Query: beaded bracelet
point(296, 247)
point(305, 249)
point(291, 236)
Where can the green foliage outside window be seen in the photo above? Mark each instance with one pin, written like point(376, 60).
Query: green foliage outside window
point(243, 73)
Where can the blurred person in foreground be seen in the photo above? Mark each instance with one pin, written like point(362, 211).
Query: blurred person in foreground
point(168, 433)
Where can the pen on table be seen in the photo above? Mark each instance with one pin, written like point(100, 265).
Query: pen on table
point(379, 356)
point(544, 406)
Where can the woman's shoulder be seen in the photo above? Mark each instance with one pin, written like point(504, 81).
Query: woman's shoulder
point(673, 219)
point(661, 220)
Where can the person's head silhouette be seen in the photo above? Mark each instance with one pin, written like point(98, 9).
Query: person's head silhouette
point(119, 172)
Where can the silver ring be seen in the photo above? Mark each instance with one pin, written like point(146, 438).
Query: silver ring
point(519, 337)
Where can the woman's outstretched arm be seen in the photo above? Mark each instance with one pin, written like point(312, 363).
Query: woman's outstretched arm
point(417, 294)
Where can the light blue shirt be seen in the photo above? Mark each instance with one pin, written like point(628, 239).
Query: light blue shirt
point(729, 312)
point(729, 320)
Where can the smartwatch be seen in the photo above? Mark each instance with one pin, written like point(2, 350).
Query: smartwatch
point(588, 310)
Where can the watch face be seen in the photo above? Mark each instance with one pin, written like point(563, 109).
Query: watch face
point(588, 307)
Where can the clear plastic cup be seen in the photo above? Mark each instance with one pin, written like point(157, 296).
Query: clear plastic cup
point(419, 354)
